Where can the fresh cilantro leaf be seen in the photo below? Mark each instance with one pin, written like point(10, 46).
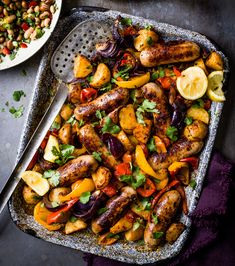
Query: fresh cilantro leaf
point(85, 197)
point(154, 76)
point(155, 218)
point(55, 151)
point(109, 126)
point(150, 41)
point(148, 27)
point(17, 95)
point(133, 95)
point(198, 103)
point(3, 110)
point(157, 235)
point(53, 177)
point(136, 180)
point(17, 113)
point(151, 145)
point(172, 133)
point(7, 103)
point(72, 120)
point(146, 106)
point(100, 114)
point(55, 125)
point(39, 33)
point(97, 156)
point(126, 21)
point(73, 219)
point(136, 225)
point(107, 87)
point(161, 72)
point(111, 235)
point(146, 204)
point(123, 73)
point(102, 210)
point(188, 120)
point(193, 184)
point(90, 78)
point(81, 123)
point(64, 154)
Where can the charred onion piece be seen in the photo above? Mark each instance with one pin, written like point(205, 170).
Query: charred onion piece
point(88, 210)
point(107, 49)
point(49, 205)
point(114, 145)
point(179, 112)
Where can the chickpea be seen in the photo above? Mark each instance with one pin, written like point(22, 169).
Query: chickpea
point(52, 9)
point(24, 4)
point(30, 10)
point(42, 24)
point(36, 9)
point(47, 22)
point(44, 15)
point(2, 39)
point(37, 21)
point(10, 45)
point(10, 19)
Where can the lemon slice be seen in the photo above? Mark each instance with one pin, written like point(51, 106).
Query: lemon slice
point(35, 180)
point(192, 84)
point(215, 84)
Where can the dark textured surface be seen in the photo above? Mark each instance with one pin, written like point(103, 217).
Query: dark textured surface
point(212, 18)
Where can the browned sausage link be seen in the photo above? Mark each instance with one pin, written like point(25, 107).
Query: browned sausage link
point(165, 211)
point(92, 142)
point(179, 150)
point(77, 168)
point(153, 92)
point(116, 207)
point(107, 102)
point(168, 53)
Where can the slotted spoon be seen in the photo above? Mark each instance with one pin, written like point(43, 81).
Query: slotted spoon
point(81, 40)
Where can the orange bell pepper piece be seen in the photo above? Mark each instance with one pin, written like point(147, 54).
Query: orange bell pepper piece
point(160, 145)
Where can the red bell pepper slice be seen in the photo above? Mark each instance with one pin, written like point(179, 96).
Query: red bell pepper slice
point(130, 216)
point(193, 161)
point(176, 71)
point(123, 169)
point(58, 216)
point(110, 190)
point(23, 45)
point(148, 188)
point(24, 26)
point(33, 3)
point(6, 51)
point(88, 94)
point(165, 189)
point(166, 82)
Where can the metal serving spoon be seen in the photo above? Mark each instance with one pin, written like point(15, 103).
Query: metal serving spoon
point(81, 40)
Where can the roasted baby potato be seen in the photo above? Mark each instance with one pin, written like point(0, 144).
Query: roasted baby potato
point(48, 155)
point(174, 231)
point(196, 131)
point(200, 63)
point(127, 118)
point(82, 67)
point(199, 114)
point(65, 133)
point(58, 120)
point(66, 112)
point(56, 193)
point(146, 38)
point(74, 93)
point(125, 141)
point(215, 61)
point(142, 132)
point(135, 234)
point(121, 226)
point(30, 196)
point(139, 209)
point(107, 239)
point(73, 226)
point(101, 177)
point(101, 77)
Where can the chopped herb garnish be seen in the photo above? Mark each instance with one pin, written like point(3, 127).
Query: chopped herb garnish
point(85, 197)
point(100, 114)
point(126, 21)
point(146, 204)
point(72, 120)
point(53, 177)
point(111, 235)
point(73, 219)
point(188, 120)
point(161, 72)
point(55, 125)
point(155, 218)
point(151, 145)
point(172, 133)
point(146, 106)
point(106, 87)
point(64, 154)
point(7, 103)
point(109, 126)
point(148, 27)
point(136, 180)
point(3, 110)
point(17, 113)
point(17, 95)
point(39, 33)
point(193, 184)
point(123, 73)
point(81, 123)
point(157, 235)
point(97, 156)
point(198, 103)
point(150, 41)
point(102, 210)
point(154, 76)
point(90, 78)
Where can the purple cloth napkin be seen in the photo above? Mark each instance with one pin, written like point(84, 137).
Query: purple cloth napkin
point(211, 240)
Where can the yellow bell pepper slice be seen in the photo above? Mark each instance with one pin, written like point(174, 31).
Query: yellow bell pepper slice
point(176, 166)
point(162, 184)
point(40, 215)
point(86, 185)
point(143, 163)
point(134, 82)
point(160, 145)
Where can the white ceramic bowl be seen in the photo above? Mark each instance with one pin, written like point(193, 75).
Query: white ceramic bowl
point(25, 53)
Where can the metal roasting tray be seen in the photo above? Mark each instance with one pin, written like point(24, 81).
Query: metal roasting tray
point(42, 93)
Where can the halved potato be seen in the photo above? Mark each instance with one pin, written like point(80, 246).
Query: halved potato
point(134, 235)
point(146, 38)
point(35, 181)
point(199, 114)
point(121, 226)
point(200, 63)
point(48, 155)
point(77, 225)
point(101, 77)
point(127, 118)
point(82, 67)
point(101, 177)
point(30, 196)
point(215, 61)
point(125, 141)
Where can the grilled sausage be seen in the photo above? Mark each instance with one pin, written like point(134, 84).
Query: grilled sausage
point(106, 102)
point(196, 131)
point(153, 92)
point(171, 52)
point(77, 168)
point(165, 211)
point(179, 150)
point(93, 143)
point(116, 207)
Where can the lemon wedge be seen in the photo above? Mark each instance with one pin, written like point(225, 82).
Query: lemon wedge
point(192, 84)
point(215, 84)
